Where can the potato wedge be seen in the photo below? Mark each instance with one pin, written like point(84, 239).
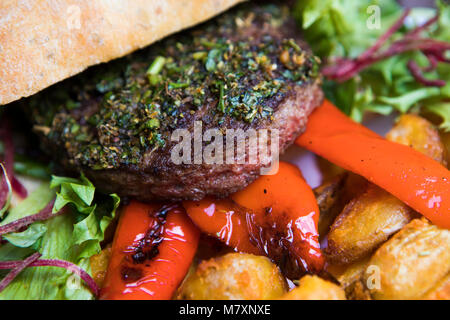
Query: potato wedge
point(420, 134)
point(445, 137)
point(364, 224)
point(329, 200)
point(328, 170)
point(99, 264)
point(315, 288)
point(234, 276)
point(441, 291)
point(334, 194)
point(411, 263)
point(349, 274)
point(371, 218)
point(357, 291)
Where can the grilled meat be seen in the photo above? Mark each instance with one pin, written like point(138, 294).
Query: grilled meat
point(244, 70)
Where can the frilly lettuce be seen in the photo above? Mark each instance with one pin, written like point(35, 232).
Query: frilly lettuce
point(337, 28)
point(73, 236)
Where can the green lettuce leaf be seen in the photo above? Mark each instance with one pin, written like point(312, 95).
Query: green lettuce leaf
point(77, 192)
point(28, 167)
point(73, 236)
point(338, 28)
point(90, 231)
point(37, 283)
point(442, 109)
point(28, 237)
point(32, 204)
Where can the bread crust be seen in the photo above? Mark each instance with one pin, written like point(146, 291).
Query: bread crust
point(45, 41)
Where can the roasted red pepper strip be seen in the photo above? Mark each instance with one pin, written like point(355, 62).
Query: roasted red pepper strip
point(285, 201)
point(223, 219)
point(412, 177)
point(151, 253)
point(276, 215)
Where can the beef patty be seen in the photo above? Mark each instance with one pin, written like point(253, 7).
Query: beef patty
point(245, 70)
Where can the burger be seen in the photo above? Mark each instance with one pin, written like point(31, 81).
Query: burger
point(141, 160)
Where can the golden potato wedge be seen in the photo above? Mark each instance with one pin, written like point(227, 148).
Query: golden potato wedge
point(371, 218)
point(315, 288)
point(330, 202)
point(334, 194)
point(420, 134)
point(234, 276)
point(349, 274)
point(99, 264)
point(350, 278)
point(411, 263)
point(357, 291)
point(328, 170)
point(441, 291)
point(364, 224)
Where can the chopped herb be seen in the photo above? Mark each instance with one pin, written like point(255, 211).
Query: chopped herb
point(221, 104)
point(156, 65)
point(174, 85)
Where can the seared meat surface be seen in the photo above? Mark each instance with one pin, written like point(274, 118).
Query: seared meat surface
point(244, 70)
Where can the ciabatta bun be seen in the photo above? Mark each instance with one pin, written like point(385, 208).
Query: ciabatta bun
point(45, 41)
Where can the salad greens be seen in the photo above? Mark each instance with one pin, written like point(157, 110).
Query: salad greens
point(28, 167)
point(346, 28)
point(73, 236)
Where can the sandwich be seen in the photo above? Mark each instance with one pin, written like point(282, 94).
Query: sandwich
point(141, 145)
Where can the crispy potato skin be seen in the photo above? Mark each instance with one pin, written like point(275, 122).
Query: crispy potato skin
point(371, 218)
point(412, 262)
point(420, 134)
point(315, 288)
point(234, 276)
point(364, 224)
